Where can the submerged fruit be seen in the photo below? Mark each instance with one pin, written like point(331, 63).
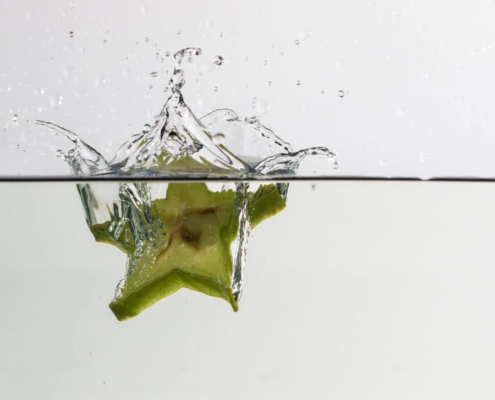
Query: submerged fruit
point(188, 243)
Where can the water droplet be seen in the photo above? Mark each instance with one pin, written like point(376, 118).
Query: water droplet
point(56, 101)
point(215, 88)
point(424, 157)
point(296, 41)
point(218, 60)
point(218, 138)
point(154, 74)
point(341, 93)
point(14, 118)
point(146, 128)
point(71, 34)
point(262, 106)
point(298, 83)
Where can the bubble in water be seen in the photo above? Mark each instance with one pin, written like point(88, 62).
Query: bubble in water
point(56, 101)
point(269, 83)
point(218, 60)
point(218, 138)
point(298, 83)
point(178, 32)
point(91, 353)
point(147, 39)
point(14, 118)
point(296, 42)
point(71, 34)
point(150, 86)
point(424, 157)
point(167, 54)
point(341, 93)
point(339, 64)
point(104, 382)
point(154, 74)
point(265, 62)
point(221, 34)
point(322, 91)
point(215, 88)
point(262, 106)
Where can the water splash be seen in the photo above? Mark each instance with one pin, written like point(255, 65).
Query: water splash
point(178, 144)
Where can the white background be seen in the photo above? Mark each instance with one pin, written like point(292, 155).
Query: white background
point(358, 290)
point(417, 76)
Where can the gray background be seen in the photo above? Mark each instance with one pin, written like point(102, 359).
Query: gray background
point(417, 76)
point(356, 291)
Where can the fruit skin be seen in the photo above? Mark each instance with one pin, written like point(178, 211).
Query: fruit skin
point(199, 226)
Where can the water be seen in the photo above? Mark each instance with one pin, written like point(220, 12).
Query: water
point(383, 283)
point(320, 283)
point(178, 144)
point(178, 235)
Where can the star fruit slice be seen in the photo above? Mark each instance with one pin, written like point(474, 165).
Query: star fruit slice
point(198, 227)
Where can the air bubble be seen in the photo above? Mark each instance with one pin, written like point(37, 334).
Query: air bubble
point(154, 74)
point(167, 54)
point(341, 93)
point(265, 62)
point(178, 32)
point(71, 34)
point(218, 60)
point(269, 83)
point(215, 88)
point(296, 42)
point(298, 83)
point(14, 118)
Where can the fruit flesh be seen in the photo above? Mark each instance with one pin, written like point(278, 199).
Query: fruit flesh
point(199, 227)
